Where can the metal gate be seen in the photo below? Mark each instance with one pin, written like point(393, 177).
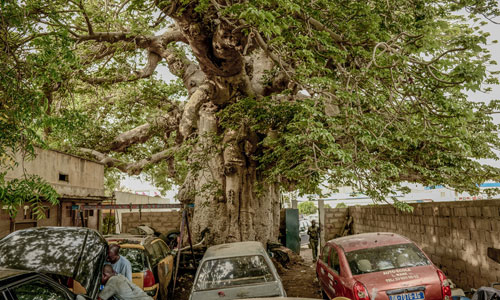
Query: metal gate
point(292, 229)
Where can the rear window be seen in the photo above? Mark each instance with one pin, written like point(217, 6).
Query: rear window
point(137, 259)
point(233, 271)
point(385, 258)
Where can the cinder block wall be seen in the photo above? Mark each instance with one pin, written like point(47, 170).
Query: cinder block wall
point(334, 220)
point(162, 221)
point(455, 235)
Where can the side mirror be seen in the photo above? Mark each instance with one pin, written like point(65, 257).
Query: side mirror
point(494, 254)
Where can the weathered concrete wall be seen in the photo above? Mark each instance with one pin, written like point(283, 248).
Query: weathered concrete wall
point(4, 223)
point(455, 235)
point(129, 198)
point(84, 177)
point(162, 221)
point(55, 215)
point(334, 220)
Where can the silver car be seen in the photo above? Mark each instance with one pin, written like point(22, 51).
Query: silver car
point(236, 271)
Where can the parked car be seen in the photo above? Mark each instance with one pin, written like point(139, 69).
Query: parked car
point(304, 225)
point(236, 271)
point(151, 259)
point(73, 255)
point(379, 266)
point(29, 285)
point(291, 298)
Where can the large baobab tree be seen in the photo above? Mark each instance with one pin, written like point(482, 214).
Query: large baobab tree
point(269, 96)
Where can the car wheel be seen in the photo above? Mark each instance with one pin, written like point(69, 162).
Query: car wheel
point(170, 238)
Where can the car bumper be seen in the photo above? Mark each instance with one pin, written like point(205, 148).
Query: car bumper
point(152, 291)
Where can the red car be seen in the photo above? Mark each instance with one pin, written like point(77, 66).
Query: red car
point(379, 266)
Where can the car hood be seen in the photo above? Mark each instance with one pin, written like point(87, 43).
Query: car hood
point(68, 251)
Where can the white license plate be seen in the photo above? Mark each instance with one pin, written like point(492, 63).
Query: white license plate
point(408, 296)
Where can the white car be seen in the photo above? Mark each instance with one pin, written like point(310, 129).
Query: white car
point(235, 271)
point(303, 225)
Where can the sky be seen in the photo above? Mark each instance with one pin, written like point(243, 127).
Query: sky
point(138, 184)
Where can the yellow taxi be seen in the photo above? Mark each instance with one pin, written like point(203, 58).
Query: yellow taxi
point(151, 259)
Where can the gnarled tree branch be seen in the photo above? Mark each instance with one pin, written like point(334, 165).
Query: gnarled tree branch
point(321, 27)
point(115, 37)
point(142, 133)
point(134, 168)
point(147, 71)
point(191, 109)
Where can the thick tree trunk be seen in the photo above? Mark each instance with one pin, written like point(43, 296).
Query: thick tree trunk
point(229, 200)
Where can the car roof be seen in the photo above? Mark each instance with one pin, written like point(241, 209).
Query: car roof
point(11, 276)
point(234, 249)
point(76, 252)
point(369, 240)
point(7, 273)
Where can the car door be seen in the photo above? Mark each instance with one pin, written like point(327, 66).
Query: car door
point(336, 279)
point(39, 289)
point(165, 265)
point(5, 295)
point(323, 271)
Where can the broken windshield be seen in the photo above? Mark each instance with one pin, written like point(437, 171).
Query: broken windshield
point(385, 258)
point(233, 271)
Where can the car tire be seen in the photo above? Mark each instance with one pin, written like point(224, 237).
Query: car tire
point(170, 238)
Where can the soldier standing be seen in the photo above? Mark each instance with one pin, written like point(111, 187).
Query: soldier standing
point(313, 232)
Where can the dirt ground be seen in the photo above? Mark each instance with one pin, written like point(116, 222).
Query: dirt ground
point(183, 286)
point(299, 280)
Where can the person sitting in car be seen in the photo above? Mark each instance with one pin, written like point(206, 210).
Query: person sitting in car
point(120, 287)
point(120, 264)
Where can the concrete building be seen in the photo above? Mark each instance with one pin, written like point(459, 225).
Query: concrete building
point(78, 181)
point(138, 199)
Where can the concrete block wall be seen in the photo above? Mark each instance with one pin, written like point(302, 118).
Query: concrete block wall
point(455, 235)
point(162, 221)
point(334, 220)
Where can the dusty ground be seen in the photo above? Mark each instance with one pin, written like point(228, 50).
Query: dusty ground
point(183, 286)
point(299, 280)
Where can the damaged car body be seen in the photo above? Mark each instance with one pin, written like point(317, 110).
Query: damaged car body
point(73, 256)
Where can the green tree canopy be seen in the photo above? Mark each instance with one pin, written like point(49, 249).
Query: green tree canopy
point(307, 208)
point(268, 95)
point(341, 205)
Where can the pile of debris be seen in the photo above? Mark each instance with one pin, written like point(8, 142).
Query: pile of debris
point(282, 257)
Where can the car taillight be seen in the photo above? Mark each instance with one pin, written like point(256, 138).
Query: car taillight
point(360, 292)
point(445, 286)
point(69, 283)
point(149, 279)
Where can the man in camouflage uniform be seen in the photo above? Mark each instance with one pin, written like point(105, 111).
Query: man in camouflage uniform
point(313, 232)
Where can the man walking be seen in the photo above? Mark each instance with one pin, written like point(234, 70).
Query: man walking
point(119, 286)
point(120, 264)
point(313, 232)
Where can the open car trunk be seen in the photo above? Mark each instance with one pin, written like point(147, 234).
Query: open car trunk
point(74, 252)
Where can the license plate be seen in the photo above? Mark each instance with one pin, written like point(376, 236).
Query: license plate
point(408, 296)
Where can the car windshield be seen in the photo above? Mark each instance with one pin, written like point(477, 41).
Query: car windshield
point(385, 258)
point(233, 271)
point(136, 257)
